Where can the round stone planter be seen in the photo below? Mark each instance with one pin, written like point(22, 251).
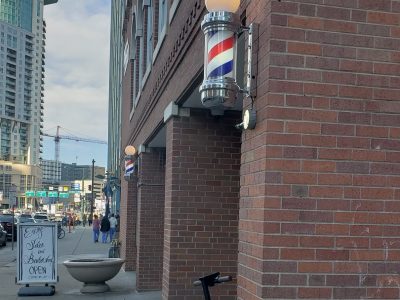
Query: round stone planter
point(94, 272)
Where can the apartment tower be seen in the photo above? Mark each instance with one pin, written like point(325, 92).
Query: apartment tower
point(22, 60)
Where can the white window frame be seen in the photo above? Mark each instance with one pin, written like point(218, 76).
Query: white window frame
point(162, 26)
point(139, 39)
point(173, 9)
point(133, 61)
point(126, 56)
point(149, 38)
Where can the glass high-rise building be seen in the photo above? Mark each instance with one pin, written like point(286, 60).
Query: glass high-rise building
point(115, 94)
point(22, 60)
point(22, 55)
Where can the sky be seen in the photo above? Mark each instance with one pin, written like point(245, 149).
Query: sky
point(76, 79)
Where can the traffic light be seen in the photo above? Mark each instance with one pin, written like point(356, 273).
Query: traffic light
point(90, 187)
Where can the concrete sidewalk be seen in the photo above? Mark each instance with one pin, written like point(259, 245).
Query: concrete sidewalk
point(78, 243)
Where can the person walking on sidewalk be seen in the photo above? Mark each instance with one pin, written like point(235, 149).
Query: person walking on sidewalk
point(104, 228)
point(70, 223)
point(113, 226)
point(96, 228)
point(84, 218)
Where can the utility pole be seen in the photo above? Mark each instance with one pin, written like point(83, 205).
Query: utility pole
point(92, 198)
point(83, 206)
point(4, 183)
point(107, 191)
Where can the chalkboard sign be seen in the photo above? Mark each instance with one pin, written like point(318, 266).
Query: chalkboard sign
point(37, 253)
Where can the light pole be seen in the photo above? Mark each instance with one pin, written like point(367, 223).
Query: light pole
point(107, 190)
point(92, 197)
point(82, 193)
point(108, 193)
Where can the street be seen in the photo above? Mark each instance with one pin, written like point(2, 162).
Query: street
point(77, 243)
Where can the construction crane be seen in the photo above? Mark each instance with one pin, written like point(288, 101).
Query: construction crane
point(57, 137)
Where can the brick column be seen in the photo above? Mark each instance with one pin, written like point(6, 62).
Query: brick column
point(202, 202)
point(321, 171)
point(128, 219)
point(150, 230)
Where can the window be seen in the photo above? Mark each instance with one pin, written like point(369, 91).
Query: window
point(137, 35)
point(162, 15)
point(149, 35)
point(126, 55)
point(134, 66)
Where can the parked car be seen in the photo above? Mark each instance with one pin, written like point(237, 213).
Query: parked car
point(6, 220)
point(3, 236)
point(24, 218)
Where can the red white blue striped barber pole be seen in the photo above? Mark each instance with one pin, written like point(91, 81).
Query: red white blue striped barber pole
point(129, 167)
point(220, 54)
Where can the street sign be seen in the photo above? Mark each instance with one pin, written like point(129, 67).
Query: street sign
point(64, 195)
point(30, 193)
point(53, 194)
point(41, 194)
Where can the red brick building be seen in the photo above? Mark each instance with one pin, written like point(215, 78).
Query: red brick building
point(304, 206)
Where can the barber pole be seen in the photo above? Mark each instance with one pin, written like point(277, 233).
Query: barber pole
point(129, 166)
point(220, 54)
point(219, 89)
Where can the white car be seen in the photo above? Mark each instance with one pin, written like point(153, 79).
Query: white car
point(41, 218)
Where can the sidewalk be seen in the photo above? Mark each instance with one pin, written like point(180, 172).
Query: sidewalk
point(78, 243)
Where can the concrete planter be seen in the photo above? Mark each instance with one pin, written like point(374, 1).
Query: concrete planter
point(94, 272)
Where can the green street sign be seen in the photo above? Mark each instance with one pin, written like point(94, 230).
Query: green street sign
point(64, 195)
point(41, 194)
point(30, 194)
point(53, 194)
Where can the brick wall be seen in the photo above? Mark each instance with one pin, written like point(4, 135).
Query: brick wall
point(320, 174)
point(128, 219)
point(201, 203)
point(128, 206)
point(151, 189)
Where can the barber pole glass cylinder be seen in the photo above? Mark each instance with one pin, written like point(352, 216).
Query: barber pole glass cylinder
point(220, 54)
point(219, 88)
point(129, 166)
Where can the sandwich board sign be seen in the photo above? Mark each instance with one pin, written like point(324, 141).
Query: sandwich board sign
point(37, 253)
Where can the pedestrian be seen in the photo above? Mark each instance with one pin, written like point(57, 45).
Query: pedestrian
point(96, 228)
point(70, 223)
point(113, 226)
point(117, 217)
point(104, 228)
point(84, 220)
point(65, 220)
point(77, 221)
point(90, 220)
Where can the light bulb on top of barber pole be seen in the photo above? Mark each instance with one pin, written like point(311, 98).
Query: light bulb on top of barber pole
point(222, 5)
point(220, 26)
point(130, 152)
